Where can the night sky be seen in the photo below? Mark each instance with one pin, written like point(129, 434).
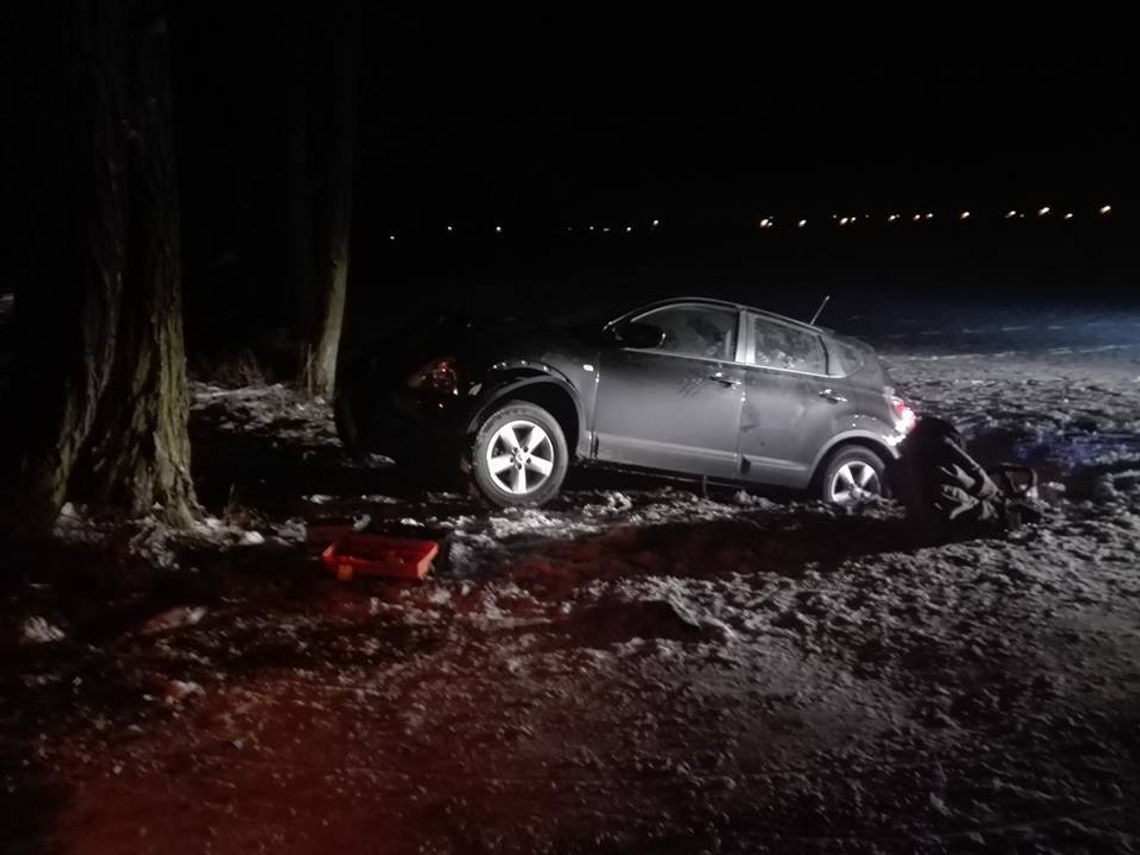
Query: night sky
point(593, 115)
point(567, 117)
point(612, 113)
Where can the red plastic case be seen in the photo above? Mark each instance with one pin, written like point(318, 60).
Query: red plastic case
point(379, 555)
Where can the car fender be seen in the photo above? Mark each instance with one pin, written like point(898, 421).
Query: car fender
point(866, 429)
point(507, 380)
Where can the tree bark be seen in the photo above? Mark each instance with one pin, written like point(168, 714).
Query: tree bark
point(322, 221)
point(101, 373)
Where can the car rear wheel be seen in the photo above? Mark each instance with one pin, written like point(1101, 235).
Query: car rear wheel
point(854, 474)
point(519, 456)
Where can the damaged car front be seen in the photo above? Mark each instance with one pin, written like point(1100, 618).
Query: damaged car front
point(420, 400)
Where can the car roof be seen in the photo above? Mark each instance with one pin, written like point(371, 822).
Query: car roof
point(722, 304)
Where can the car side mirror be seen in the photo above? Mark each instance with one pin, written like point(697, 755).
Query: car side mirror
point(639, 335)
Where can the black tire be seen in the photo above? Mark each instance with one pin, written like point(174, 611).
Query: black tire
point(856, 460)
point(490, 445)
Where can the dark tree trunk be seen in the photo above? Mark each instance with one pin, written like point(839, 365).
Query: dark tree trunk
point(321, 140)
point(101, 372)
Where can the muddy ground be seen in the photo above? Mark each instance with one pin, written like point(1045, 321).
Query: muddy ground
point(637, 667)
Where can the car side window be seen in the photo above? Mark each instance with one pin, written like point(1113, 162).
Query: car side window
point(696, 331)
point(779, 346)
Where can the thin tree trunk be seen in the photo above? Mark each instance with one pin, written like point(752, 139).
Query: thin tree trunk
point(333, 209)
point(101, 361)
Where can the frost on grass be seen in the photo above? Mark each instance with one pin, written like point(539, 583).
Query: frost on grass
point(275, 414)
point(159, 545)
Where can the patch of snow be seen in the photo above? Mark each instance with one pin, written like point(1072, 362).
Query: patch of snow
point(73, 525)
point(292, 531)
point(177, 691)
point(37, 630)
point(173, 618)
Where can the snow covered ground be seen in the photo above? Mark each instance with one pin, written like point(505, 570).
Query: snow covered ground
point(633, 667)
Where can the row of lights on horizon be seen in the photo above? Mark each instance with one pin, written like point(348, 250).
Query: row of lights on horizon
point(499, 229)
point(1012, 214)
point(849, 219)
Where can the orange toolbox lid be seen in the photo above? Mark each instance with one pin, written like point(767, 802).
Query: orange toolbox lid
point(379, 555)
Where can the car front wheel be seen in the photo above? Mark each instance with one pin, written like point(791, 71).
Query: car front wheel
point(519, 456)
point(854, 474)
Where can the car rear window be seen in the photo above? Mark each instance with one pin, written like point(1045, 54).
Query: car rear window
point(779, 346)
point(846, 358)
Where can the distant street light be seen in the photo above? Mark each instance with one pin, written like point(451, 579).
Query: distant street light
point(801, 223)
point(1041, 212)
point(965, 215)
point(1010, 215)
point(498, 228)
point(1106, 209)
point(1069, 215)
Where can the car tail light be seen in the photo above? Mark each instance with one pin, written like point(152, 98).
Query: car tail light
point(901, 411)
point(438, 376)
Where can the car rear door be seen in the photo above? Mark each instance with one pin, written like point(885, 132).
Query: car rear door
point(675, 407)
point(791, 407)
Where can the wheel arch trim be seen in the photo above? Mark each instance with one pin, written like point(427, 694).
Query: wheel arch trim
point(883, 442)
point(516, 387)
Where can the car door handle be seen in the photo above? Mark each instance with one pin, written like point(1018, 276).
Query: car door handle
point(828, 395)
point(724, 379)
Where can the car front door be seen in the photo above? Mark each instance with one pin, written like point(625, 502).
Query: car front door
point(791, 407)
point(675, 407)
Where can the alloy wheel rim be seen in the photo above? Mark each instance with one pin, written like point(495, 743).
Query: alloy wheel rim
point(520, 457)
point(853, 482)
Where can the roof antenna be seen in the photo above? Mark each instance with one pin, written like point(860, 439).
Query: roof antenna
point(819, 311)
